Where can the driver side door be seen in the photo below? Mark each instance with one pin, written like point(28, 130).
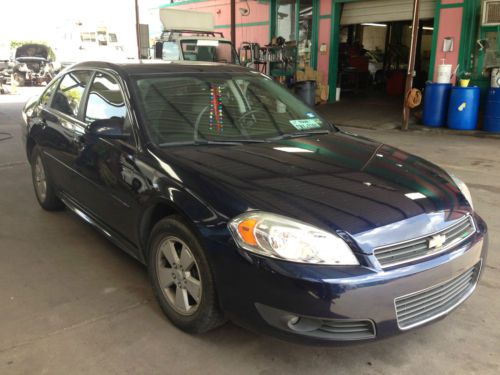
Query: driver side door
point(110, 182)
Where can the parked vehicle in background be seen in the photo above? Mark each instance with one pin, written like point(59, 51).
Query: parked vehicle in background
point(4, 55)
point(80, 42)
point(34, 64)
point(4, 64)
point(191, 36)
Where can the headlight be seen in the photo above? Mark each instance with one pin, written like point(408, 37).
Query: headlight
point(279, 237)
point(463, 188)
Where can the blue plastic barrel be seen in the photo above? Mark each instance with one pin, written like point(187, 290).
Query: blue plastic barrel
point(492, 113)
point(464, 108)
point(436, 99)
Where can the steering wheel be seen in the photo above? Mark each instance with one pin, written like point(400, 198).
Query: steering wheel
point(244, 122)
point(197, 122)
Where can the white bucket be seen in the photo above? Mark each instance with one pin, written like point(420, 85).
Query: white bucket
point(444, 73)
point(495, 78)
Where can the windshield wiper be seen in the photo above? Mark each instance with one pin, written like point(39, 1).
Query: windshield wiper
point(299, 134)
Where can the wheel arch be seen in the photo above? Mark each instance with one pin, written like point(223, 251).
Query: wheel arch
point(156, 212)
point(30, 145)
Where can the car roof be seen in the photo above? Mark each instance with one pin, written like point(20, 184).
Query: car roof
point(139, 67)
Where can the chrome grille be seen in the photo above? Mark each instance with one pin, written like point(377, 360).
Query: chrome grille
point(419, 248)
point(422, 306)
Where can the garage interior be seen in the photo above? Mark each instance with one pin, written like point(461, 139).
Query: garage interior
point(374, 46)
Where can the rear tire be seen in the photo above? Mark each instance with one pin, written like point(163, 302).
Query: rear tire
point(181, 277)
point(44, 188)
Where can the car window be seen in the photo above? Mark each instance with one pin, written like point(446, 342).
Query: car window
point(69, 95)
point(106, 101)
point(45, 98)
point(221, 107)
point(208, 50)
point(170, 51)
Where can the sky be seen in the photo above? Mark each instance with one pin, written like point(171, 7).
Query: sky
point(46, 19)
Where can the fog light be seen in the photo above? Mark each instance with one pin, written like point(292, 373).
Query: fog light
point(304, 324)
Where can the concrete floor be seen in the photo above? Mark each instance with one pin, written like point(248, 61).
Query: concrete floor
point(72, 303)
point(372, 109)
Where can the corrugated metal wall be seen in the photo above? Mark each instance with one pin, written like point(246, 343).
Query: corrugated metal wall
point(384, 11)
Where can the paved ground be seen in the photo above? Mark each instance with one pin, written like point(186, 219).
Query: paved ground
point(71, 303)
point(369, 109)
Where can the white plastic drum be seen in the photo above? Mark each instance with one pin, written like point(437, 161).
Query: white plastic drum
point(444, 73)
point(495, 78)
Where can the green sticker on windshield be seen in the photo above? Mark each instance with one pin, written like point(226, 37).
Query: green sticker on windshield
point(310, 123)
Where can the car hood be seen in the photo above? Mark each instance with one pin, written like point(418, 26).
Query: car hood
point(339, 181)
point(32, 50)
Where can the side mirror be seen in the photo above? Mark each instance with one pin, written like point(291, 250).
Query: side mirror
point(111, 128)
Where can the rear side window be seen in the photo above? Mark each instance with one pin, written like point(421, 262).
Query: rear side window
point(105, 100)
point(44, 100)
point(69, 95)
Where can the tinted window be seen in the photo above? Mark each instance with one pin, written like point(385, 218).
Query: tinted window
point(208, 50)
point(221, 107)
point(68, 97)
point(105, 100)
point(44, 100)
point(170, 51)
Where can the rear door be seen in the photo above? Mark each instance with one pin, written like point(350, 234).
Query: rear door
point(60, 126)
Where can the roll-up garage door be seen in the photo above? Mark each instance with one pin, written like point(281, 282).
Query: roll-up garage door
point(384, 11)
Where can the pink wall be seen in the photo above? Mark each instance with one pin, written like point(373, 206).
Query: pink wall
point(450, 25)
point(325, 8)
point(324, 37)
point(255, 27)
point(221, 9)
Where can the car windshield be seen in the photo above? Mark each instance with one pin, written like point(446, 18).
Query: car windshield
point(212, 50)
point(205, 107)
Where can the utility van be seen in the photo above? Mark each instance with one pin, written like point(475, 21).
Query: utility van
point(189, 35)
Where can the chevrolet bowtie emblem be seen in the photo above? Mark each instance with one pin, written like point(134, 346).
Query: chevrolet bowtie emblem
point(436, 241)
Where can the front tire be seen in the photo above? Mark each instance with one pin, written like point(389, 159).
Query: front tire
point(181, 277)
point(44, 188)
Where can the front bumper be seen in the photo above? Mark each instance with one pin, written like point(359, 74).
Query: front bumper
point(268, 295)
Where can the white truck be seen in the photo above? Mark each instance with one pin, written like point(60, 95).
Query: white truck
point(190, 35)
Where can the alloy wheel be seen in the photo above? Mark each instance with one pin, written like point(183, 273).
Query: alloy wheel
point(179, 276)
point(40, 179)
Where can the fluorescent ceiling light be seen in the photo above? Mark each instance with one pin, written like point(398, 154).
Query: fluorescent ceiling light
point(425, 28)
point(374, 24)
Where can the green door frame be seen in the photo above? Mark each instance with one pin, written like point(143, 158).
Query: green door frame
point(273, 14)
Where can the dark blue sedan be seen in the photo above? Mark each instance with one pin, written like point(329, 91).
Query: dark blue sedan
point(245, 204)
